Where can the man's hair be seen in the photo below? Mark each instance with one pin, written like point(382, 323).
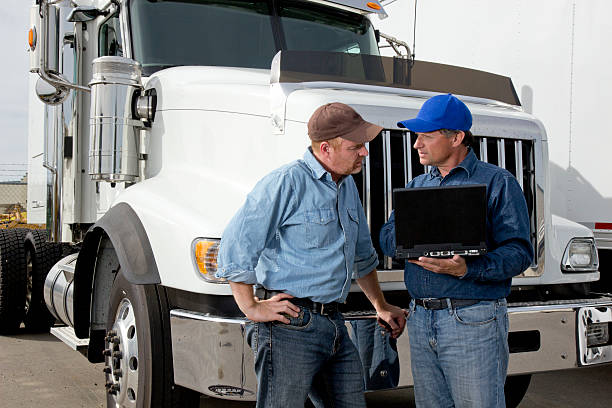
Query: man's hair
point(335, 143)
point(468, 139)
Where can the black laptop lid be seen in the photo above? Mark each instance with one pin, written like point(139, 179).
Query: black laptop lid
point(440, 221)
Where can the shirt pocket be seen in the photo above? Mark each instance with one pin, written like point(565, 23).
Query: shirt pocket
point(320, 228)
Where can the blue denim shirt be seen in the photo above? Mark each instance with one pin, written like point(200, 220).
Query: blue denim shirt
point(301, 233)
point(509, 250)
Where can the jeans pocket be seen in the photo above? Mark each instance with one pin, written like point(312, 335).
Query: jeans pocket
point(481, 313)
point(301, 322)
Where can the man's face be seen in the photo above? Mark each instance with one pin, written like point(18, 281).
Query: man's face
point(434, 148)
point(345, 157)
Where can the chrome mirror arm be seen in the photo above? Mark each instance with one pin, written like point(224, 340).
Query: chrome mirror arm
point(396, 45)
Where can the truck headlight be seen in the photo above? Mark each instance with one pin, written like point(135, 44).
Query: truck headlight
point(205, 252)
point(580, 256)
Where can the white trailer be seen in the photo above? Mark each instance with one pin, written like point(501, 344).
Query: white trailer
point(160, 116)
point(558, 56)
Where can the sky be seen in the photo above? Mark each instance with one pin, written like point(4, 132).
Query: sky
point(14, 25)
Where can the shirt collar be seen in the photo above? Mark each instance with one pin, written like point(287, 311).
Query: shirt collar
point(468, 164)
point(313, 164)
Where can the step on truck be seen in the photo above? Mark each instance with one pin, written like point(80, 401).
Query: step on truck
point(149, 123)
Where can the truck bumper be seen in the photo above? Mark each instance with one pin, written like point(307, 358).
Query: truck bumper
point(211, 354)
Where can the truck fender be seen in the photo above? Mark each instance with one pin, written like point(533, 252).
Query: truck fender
point(129, 246)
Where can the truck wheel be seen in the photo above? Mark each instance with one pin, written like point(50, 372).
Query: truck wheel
point(40, 256)
point(515, 389)
point(12, 280)
point(138, 356)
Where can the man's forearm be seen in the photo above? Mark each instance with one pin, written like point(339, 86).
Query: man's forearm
point(243, 295)
point(370, 286)
point(391, 317)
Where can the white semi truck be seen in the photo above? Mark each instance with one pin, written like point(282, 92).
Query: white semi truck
point(151, 121)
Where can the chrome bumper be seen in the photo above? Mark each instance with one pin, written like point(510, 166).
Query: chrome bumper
point(211, 354)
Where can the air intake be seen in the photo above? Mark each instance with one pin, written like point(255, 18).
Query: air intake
point(113, 154)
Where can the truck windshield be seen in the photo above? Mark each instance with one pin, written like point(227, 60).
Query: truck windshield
point(240, 33)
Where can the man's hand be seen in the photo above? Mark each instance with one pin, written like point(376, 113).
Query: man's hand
point(273, 309)
point(393, 319)
point(392, 316)
point(454, 266)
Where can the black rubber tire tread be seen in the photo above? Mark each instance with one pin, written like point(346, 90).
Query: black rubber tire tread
point(12, 279)
point(43, 255)
point(515, 389)
point(156, 387)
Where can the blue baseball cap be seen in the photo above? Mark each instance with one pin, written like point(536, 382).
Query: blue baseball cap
point(440, 112)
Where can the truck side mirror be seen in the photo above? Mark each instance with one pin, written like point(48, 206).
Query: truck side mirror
point(50, 94)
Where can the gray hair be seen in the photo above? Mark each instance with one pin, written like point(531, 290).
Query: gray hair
point(468, 139)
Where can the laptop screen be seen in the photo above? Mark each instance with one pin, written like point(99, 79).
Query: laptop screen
point(440, 221)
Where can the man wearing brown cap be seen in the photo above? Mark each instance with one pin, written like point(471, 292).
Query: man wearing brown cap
point(301, 237)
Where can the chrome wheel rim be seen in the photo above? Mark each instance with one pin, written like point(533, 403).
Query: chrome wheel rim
point(121, 357)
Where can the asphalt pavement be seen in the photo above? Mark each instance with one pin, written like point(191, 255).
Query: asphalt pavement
point(37, 370)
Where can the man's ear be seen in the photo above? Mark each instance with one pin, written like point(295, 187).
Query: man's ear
point(458, 138)
point(324, 147)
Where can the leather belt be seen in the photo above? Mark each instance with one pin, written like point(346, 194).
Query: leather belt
point(439, 304)
point(315, 307)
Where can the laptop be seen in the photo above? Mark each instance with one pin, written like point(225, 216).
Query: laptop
point(440, 221)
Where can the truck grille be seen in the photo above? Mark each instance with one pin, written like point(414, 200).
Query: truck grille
point(392, 163)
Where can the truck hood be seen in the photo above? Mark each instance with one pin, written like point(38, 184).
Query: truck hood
point(248, 91)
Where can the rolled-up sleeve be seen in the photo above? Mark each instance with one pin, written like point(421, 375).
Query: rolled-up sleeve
point(252, 227)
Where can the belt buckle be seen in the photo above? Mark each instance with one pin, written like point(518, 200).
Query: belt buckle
point(428, 302)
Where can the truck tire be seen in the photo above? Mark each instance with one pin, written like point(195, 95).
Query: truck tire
point(515, 389)
point(12, 280)
point(137, 355)
point(40, 256)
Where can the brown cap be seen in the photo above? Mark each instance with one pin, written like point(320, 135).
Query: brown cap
point(339, 120)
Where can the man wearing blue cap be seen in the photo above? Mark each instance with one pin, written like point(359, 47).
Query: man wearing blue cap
point(458, 325)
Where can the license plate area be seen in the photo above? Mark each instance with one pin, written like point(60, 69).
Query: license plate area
point(594, 329)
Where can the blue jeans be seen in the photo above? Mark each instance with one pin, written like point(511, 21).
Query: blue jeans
point(378, 354)
point(311, 353)
point(459, 356)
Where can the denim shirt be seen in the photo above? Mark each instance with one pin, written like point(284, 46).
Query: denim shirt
point(301, 233)
point(509, 249)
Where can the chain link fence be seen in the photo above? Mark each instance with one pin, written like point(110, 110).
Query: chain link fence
point(13, 187)
point(13, 196)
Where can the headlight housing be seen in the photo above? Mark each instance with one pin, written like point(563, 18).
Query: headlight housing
point(204, 252)
point(580, 256)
